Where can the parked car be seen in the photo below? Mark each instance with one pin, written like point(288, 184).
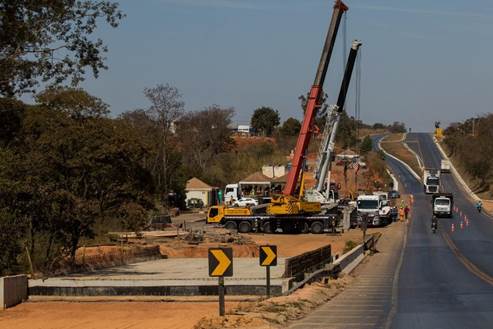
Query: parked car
point(394, 194)
point(245, 202)
point(195, 203)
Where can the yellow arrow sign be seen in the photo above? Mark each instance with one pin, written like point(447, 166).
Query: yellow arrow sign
point(270, 255)
point(223, 262)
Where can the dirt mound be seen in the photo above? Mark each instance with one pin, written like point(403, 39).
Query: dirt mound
point(91, 258)
point(278, 311)
point(184, 250)
point(196, 244)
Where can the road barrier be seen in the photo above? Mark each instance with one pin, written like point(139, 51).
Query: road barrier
point(309, 261)
point(13, 290)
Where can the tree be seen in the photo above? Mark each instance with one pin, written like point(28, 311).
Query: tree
point(166, 109)
point(65, 173)
point(11, 113)
point(346, 131)
point(366, 145)
point(75, 102)
point(204, 135)
point(290, 127)
point(379, 125)
point(264, 120)
point(49, 41)
point(397, 127)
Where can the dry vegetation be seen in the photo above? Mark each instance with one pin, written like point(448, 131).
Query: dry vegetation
point(469, 145)
point(394, 145)
point(278, 311)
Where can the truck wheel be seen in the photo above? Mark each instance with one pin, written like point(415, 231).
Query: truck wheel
point(305, 228)
point(230, 225)
point(244, 227)
point(266, 227)
point(317, 228)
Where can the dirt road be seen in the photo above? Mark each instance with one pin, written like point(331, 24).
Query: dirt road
point(120, 315)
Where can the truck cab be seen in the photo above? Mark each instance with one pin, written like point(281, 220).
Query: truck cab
point(216, 214)
point(369, 207)
point(431, 181)
point(231, 193)
point(442, 204)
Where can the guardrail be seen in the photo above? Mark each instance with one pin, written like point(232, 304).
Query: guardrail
point(13, 290)
point(309, 261)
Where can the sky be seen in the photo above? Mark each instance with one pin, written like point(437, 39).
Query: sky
point(421, 61)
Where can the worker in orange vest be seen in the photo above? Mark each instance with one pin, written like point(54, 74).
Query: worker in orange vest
point(401, 213)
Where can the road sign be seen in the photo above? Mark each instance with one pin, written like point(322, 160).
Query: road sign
point(268, 258)
point(268, 255)
point(220, 262)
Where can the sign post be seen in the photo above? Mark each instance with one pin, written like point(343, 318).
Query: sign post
point(268, 258)
point(220, 266)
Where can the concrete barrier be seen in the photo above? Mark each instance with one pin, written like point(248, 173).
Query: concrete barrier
point(13, 290)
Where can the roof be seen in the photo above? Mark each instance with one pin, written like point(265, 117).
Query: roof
point(280, 179)
point(347, 152)
point(256, 178)
point(196, 184)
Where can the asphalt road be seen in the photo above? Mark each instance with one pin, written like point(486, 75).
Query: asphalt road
point(472, 232)
point(437, 287)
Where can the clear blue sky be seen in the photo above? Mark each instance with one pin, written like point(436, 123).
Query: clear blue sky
point(421, 60)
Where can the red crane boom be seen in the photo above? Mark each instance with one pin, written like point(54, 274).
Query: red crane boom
point(314, 99)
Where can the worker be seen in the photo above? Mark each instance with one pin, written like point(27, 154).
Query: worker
point(401, 214)
point(406, 211)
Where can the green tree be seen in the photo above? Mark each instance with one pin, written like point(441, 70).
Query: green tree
point(346, 132)
point(290, 127)
point(68, 171)
point(366, 145)
point(50, 41)
point(11, 113)
point(397, 127)
point(264, 120)
point(204, 135)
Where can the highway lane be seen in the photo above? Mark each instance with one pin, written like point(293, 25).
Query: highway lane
point(469, 230)
point(431, 286)
point(434, 288)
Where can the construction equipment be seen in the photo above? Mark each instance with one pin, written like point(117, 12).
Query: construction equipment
point(322, 172)
point(442, 204)
point(289, 211)
point(431, 181)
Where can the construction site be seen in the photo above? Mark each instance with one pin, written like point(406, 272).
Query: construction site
point(324, 211)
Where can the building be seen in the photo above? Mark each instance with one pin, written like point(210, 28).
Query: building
point(244, 130)
point(260, 185)
point(197, 189)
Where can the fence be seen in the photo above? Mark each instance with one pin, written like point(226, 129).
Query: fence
point(297, 266)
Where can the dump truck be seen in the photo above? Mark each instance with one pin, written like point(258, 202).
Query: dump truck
point(431, 181)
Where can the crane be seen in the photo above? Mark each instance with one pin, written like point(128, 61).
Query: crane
point(330, 132)
point(289, 211)
point(314, 100)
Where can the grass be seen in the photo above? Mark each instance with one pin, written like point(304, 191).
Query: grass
point(393, 144)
